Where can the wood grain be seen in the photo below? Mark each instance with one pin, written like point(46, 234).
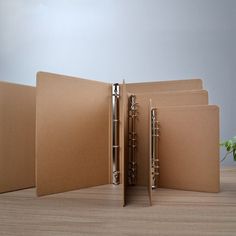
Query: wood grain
point(98, 211)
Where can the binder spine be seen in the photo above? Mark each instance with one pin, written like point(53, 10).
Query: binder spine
point(115, 135)
point(132, 166)
point(154, 148)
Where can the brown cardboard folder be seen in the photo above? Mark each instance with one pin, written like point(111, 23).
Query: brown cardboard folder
point(173, 98)
point(74, 135)
point(74, 132)
point(73, 146)
point(17, 137)
point(189, 148)
point(161, 86)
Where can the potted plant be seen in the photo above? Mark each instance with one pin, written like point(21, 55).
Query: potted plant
point(230, 146)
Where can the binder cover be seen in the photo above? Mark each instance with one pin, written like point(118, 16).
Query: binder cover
point(73, 133)
point(17, 137)
point(174, 98)
point(173, 85)
point(189, 148)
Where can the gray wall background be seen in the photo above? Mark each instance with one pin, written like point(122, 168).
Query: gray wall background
point(135, 40)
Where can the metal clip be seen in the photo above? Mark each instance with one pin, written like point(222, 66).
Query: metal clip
point(154, 148)
point(132, 167)
point(115, 135)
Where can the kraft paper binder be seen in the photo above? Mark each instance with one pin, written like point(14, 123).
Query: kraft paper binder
point(17, 137)
point(159, 99)
point(192, 162)
point(148, 133)
point(73, 133)
point(90, 133)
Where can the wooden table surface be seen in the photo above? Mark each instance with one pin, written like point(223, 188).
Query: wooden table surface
point(98, 211)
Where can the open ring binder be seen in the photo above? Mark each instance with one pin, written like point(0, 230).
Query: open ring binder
point(65, 128)
point(115, 138)
point(154, 148)
point(132, 167)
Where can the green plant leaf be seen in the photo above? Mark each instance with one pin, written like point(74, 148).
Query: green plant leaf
point(230, 146)
point(234, 154)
